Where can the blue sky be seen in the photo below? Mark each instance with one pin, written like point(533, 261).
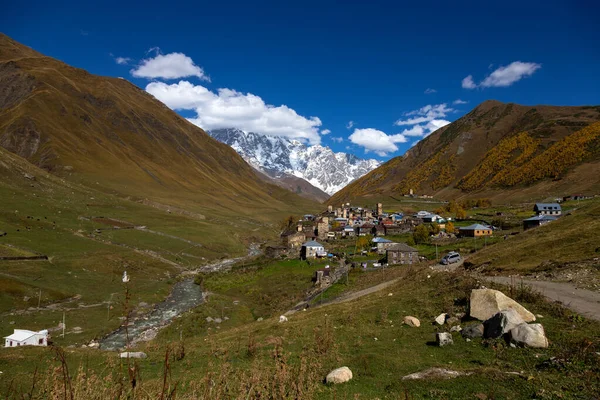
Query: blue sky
point(302, 69)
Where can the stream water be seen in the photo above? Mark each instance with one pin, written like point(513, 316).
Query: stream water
point(184, 296)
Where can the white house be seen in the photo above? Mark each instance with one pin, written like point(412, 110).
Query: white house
point(313, 249)
point(23, 337)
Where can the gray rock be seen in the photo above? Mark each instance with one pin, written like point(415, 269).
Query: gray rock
point(339, 375)
point(485, 303)
point(444, 339)
point(452, 321)
point(133, 354)
point(218, 320)
point(456, 328)
point(259, 319)
point(412, 321)
point(531, 335)
point(501, 323)
point(472, 331)
point(209, 319)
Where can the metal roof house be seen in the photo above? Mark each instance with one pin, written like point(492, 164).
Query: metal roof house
point(23, 337)
point(547, 209)
point(538, 220)
point(312, 249)
point(475, 230)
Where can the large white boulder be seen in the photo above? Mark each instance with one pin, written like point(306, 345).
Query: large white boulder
point(501, 323)
point(531, 335)
point(412, 321)
point(485, 303)
point(339, 375)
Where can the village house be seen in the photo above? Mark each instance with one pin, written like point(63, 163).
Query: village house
point(293, 238)
point(365, 229)
point(536, 221)
point(401, 253)
point(23, 337)
point(349, 231)
point(382, 244)
point(379, 230)
point(312, 249)
point(547, 209)
point(475, 230)
point(393, 229)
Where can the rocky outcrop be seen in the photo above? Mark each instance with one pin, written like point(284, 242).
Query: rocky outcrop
point(530, 335)
point(485, 303)
point(501, 323)
point(435, 373)
point(339, 375)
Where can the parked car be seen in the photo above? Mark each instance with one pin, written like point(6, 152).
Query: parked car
point(451, 258)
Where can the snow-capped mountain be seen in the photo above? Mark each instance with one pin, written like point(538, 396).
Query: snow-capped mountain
point(278, 156)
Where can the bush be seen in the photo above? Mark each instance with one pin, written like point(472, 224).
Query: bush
point(421, 234)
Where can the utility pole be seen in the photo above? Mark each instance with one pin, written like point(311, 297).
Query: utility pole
point(63, 332)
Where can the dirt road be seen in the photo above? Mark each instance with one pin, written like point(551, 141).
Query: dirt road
point(584, 302)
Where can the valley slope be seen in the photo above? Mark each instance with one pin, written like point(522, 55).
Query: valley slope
point(109, 134)
point(502, 151)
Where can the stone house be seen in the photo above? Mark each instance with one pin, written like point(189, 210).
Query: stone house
point(401, 253)
point(293, 239)
point(23, 337)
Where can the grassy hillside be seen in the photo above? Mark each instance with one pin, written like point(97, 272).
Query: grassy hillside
point(506, 152)
point(244, 358)
point(109, 134)
point(573, 237)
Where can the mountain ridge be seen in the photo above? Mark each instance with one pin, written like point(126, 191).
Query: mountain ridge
point(109, 134)
point(279, 156)
point(448, 162)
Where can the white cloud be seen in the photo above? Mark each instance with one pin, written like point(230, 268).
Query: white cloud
point(425, 120)
point(468, 83)
point(325, 132)
point(377, 141)
point(425, 114)
point(122, 60)
point(337, 139)
point(459, 101)
point(350, 125)
point(503, 76)
point(168, 66)
point(430, 91)
point(228, 108)
point(506, 76)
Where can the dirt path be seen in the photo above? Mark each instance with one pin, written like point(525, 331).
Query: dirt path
point(584, 302)
point(352, 296)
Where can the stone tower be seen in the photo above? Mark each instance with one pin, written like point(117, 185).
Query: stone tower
point(379, 208)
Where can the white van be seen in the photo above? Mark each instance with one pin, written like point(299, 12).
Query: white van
point(450, 258)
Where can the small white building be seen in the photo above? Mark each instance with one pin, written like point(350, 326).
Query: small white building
point(23, 337)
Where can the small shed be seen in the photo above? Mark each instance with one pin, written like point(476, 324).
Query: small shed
point(475, 230)
point(547, 209)
point(24, 337)
point(313, 249)
point(536, 221)
point(401, 253)
point(382, 244)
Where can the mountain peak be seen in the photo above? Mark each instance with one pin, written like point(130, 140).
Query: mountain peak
point(280, 156)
